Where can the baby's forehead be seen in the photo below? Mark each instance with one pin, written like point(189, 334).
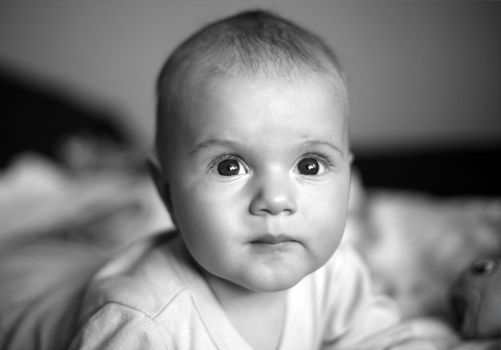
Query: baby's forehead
point(250, 96)
point(206, 86)
point(203, 93)
point(239, 92)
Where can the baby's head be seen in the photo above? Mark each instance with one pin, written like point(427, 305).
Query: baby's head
point(253, 151)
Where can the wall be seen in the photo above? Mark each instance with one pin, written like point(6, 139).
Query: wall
point(421, 73)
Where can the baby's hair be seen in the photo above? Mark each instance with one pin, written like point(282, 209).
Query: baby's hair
point(252, 43)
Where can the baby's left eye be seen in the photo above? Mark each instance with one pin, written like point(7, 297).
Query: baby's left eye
point(310, 166)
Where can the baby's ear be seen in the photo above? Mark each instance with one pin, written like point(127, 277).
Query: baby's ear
point(351, 158)
point(160, 182)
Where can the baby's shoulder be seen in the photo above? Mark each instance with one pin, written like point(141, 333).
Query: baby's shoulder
point(144, 277)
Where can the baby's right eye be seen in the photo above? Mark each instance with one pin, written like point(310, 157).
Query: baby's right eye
point(230, 167)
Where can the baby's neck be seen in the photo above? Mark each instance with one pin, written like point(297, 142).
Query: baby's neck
point(258, 317)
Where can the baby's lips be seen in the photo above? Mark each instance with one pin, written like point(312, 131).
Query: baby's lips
point(269, 238)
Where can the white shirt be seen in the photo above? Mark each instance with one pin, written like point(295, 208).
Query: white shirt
point(152, 296)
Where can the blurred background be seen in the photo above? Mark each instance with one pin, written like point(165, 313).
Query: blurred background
point(77, 116)
point(424, 76)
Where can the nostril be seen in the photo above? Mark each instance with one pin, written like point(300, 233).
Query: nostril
point(273, 208)
point(274, 194)
point(483, 267)
point(273, 205)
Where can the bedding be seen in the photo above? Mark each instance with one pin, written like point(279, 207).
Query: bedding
point(416, 245)
point(107, 209)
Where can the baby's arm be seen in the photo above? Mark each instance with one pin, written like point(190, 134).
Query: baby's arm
point(120, 327)
point(373, 321)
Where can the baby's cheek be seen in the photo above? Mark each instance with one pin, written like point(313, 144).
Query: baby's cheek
point(331, 223)
point(327, 208)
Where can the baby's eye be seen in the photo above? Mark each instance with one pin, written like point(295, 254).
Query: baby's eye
point(230, 167)
point(310, 166)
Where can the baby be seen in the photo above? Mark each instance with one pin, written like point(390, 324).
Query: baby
point(253, 164)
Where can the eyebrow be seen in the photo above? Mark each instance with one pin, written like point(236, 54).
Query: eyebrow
point(230, 144)
point(330, 145)
point(211, 143)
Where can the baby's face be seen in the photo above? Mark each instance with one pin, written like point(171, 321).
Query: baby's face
point(259, 180)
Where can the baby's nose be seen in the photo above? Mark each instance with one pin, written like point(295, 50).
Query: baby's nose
point(274, 195)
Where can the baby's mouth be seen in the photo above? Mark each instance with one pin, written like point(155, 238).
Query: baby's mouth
point(273, 239)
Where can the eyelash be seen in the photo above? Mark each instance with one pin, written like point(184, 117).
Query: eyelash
point(214, 163)
point(322, 159)
point(319, 157)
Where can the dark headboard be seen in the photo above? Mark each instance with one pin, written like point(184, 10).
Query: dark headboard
point(450, 171)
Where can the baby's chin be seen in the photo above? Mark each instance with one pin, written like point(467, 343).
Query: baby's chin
point(269, 283)
point(279, 277)
point(277, 286)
